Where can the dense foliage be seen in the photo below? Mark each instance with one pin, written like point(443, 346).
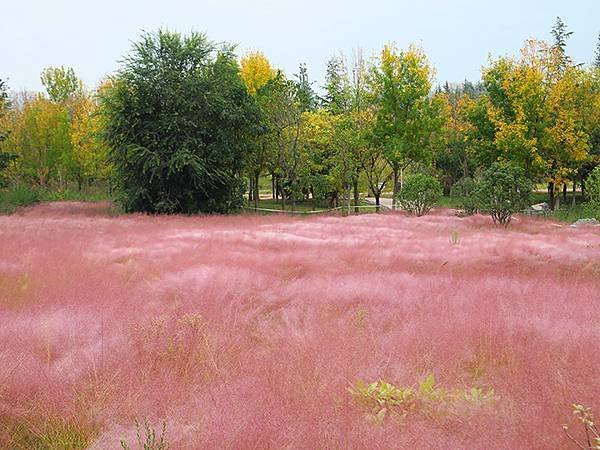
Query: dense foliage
point(464, 191)
point(5, 157)
point(592, 192)
point(503, 190)
point(178, 117)
point(419, 194)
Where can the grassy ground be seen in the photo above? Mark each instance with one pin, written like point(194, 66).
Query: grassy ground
point(13, 198)
point(565, 212)
point(307, 206)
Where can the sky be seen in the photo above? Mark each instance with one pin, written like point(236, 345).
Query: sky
point(457, 35)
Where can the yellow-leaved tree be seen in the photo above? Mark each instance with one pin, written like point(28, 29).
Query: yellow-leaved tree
point(256, 71)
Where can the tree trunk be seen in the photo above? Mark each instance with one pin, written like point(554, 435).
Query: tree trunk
point(355, 186)
point(273, 186)
point(395, 170)
point(402, 177)
point(256, 190)
point(551, 195)
point(250, 189)
point(574, 193)
point(565, 192)
point(348, 201)
point(377, 204)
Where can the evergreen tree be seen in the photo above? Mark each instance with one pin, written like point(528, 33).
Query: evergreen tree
point(179, 118)
point(561, 35)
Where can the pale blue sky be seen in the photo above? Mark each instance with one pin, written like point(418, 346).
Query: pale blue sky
point(457, 35)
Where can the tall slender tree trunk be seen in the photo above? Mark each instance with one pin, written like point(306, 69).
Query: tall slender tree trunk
point(551, 195)
point(395, 168)
point(348, 200)
point(574, 193)
point(293, 196)
point(565, 192)
point(402, 178)
point(273, 186)
point(355, 187)
point(256, 189)
point(250, 189)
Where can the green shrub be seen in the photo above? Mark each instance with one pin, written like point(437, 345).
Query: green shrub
point(11, 199)
point(149, 441)
point(419, 193)
point(381, 399)
point(464, 190)
point(503, 190)
point(51, 433)
point(592, 192)
point(5, 160)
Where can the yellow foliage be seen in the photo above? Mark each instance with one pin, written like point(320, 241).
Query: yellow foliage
point(256, 71)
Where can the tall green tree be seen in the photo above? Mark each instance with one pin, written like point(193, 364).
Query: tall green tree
point(343, 100)
point(61, 83)
point(178, 119)
point(256, 71)
point(284, 103)
point(406, 116)
point(5, 157)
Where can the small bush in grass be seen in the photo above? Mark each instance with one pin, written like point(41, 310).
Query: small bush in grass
point(51, 433)
point(503, 190)
point(428, 398)
point(420, 193)
point(464, 190)
point(592, 192)
point(149, 441)
point(10, 199)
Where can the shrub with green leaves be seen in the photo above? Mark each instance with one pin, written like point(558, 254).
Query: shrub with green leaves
point(592, 192)
point(463, 190)
point(420, 193)
point(178, 117)
point(502, 190)
point(382, 399)
point(149, 440)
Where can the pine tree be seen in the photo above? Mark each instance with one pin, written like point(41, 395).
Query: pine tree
point(561, 34)
point(306, 93)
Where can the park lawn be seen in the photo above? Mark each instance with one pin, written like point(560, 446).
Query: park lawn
point(309, 207)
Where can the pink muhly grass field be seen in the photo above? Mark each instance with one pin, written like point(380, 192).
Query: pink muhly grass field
point(247, 331)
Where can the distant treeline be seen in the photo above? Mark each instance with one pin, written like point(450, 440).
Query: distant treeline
point(186, 126)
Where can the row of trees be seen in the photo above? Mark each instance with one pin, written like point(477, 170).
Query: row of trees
point(380, 117)
point(183, 126)
point(53, 138)
point(376, 118)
